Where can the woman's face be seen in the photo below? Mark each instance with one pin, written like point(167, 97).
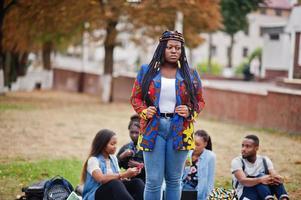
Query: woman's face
point(112, 145)
point(200, 144)
point(134, 133)
point(173, 51)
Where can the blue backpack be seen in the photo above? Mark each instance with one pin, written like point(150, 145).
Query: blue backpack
point(57, 188)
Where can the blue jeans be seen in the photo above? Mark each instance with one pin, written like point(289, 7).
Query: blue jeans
point(263, 192)
point(187, 187)
point(163, 162)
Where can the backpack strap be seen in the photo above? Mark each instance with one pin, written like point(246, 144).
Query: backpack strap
point(243, 169)
point(66, 183)
point(243, 165)
point(265, 165)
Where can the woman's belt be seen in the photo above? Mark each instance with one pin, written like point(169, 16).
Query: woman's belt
point(167, 115)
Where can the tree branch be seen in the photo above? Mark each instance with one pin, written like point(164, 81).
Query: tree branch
point(7, 7)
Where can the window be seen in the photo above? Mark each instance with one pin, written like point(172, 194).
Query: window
point(260, 31)
point(228, 51)
point(246, 31)
point(278, 12)
point(245, 52)
point(213, 50)
point(274, 36)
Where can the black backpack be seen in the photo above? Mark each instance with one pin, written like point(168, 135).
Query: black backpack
point(34, 191)
point(57, 188)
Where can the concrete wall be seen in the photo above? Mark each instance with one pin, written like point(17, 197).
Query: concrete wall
point(122, 87)
point(73, 81)
point(275, 110)
point(275, 74)
point(92, 84)
point(35, 78)
point(66, 80)
point(280, 111)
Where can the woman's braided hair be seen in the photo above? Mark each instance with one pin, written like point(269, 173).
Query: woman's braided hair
point(158, 60)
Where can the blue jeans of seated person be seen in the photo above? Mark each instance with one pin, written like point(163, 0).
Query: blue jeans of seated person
point(163, 162)
point(263, 192)
point(187, 187)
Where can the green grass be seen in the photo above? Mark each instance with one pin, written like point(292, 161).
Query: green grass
point(6, 106)
point(223, 182)
point(18, 174)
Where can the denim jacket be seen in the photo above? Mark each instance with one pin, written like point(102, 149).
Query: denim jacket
point(91, 185)
point(206, 173)
point(182, 128)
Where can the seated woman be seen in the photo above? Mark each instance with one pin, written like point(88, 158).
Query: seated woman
point(101, 176)
point(129, 155)
point(200, 167)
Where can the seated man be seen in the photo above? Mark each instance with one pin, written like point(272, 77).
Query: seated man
point(129, 155)
point(254, 176)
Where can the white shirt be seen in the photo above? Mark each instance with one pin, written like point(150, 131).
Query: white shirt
point(93, 164)
point(167, 95)
point(251, 169)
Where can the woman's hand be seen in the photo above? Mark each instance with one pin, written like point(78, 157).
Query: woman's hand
point(182, 110)
point(133, 163)
point(131, 172)
point(151, 110)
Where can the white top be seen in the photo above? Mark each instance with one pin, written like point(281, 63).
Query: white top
point(251, 169)
point(93, 164)
point(108, 165)
point(167, 95)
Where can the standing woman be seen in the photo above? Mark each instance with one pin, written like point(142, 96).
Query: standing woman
point(167, 95)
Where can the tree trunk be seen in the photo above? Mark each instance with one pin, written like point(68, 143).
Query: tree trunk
point(210, 54)
point(230, 51)
point(7, 69)
point(23, 64)
point(5, 66)
point(11, 66)
point(15, 66)
point(4, 8)
point(2, 75)
point(46, 55)
point(1, 33)
point(109, 45)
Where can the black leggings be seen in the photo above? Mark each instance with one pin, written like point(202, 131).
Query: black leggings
point(121, 190)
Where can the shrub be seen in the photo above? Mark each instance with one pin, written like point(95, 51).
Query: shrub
point(216, 68)
point(240, 68)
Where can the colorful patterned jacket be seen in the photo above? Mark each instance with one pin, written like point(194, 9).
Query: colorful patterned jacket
point(182, 129)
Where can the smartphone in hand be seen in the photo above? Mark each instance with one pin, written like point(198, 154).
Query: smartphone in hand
point(140, 166)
